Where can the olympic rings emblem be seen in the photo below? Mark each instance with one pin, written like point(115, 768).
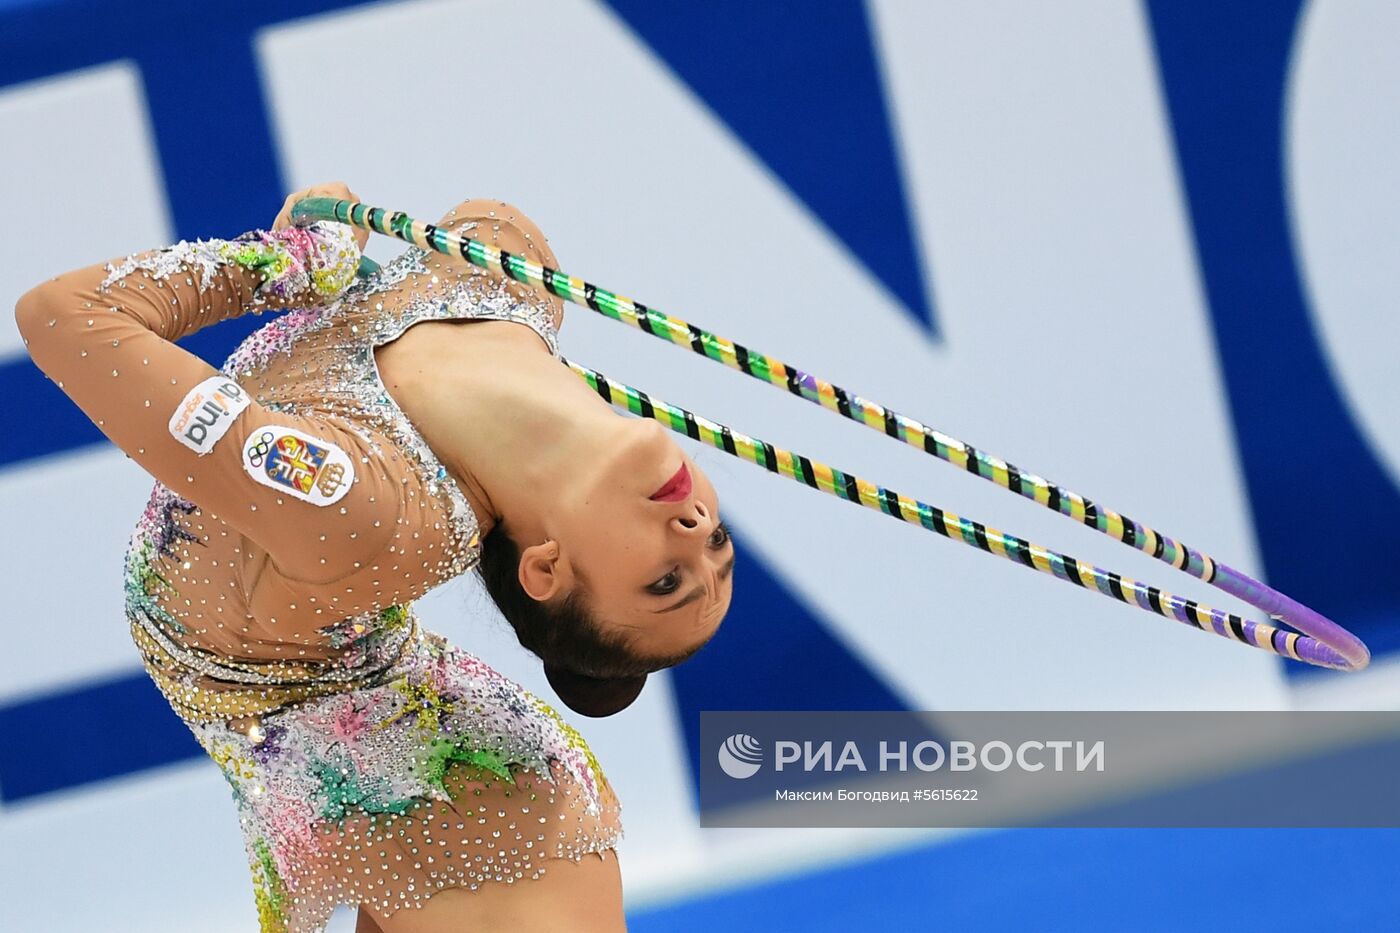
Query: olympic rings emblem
point(260, 448)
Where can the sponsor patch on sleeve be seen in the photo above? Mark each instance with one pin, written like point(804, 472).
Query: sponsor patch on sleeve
point(206, 413)
point(298, 464)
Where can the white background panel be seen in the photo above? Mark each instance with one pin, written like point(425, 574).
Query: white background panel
point(1343, 169)
point(156, 851)
point(73, 628)
point(1077, 346)
point(78, 152)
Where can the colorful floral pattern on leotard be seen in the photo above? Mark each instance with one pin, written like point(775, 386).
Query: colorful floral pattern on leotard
point(366, 762)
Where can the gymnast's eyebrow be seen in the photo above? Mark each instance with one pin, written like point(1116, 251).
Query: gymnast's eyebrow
point(699, 591)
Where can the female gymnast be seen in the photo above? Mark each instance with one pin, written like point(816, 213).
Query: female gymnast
point(351, 455)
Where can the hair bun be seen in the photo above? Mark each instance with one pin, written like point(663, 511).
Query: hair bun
point(594, 696)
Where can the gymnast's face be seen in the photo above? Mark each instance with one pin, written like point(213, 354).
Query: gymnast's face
point(648, 540)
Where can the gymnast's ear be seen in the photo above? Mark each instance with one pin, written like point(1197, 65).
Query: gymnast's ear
point(543, 572)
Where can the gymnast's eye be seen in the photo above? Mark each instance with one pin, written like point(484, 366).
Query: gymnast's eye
point(667, 584)
point(672, 581)
point(720, 536)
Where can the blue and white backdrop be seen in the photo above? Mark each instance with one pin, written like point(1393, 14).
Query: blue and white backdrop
point(1147, 249)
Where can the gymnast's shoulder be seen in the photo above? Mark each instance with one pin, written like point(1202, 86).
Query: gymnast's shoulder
point(507, 227)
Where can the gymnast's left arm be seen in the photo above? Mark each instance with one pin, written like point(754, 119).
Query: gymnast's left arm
point(105, 334)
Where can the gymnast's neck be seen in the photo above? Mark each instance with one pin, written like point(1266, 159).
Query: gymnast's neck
point(516, 429)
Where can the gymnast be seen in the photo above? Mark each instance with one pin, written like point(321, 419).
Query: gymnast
point(385, 435)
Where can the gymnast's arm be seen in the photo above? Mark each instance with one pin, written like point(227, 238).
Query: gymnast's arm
point(105, 335)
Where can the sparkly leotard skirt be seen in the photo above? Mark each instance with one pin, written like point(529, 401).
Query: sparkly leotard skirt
point(446, 775)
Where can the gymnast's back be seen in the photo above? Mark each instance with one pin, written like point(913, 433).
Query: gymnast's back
point(270, 581)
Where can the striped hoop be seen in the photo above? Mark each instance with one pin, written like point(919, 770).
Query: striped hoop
point(1317, 641)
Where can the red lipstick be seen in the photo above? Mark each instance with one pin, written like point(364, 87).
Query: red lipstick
point(674, 489)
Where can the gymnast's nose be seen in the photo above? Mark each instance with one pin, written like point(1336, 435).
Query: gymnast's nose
point(692, 517)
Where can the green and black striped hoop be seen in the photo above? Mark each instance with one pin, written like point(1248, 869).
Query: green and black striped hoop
point(1317, 641)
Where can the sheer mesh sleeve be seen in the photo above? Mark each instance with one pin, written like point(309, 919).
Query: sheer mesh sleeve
point(305, 489)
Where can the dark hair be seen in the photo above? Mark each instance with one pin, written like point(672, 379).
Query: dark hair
point(563, 634)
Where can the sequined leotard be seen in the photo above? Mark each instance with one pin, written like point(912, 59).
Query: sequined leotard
point(270, 581)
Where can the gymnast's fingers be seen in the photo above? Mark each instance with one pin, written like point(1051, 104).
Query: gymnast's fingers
point(336, 189)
